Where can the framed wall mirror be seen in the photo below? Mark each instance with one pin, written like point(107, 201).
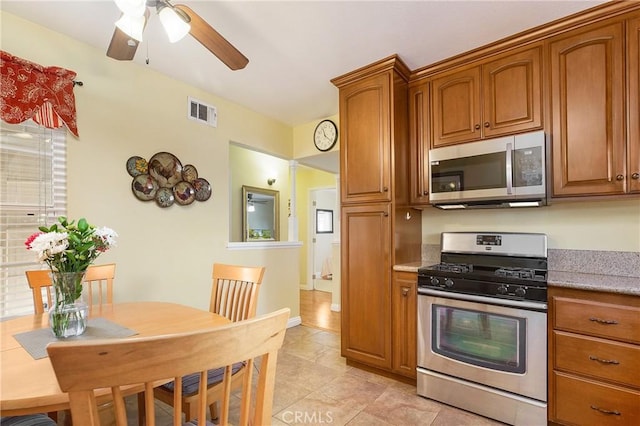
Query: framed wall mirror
point(260, 214)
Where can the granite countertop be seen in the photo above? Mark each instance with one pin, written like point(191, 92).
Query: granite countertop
point(597, 282)
point(410, 267)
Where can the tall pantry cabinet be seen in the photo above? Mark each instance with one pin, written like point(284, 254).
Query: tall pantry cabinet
point(378, 227)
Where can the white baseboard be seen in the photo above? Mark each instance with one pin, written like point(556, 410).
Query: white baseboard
point(335, 307)
point(294, 322)
point(306, 286)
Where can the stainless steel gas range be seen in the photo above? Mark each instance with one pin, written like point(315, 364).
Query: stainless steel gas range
point(482, 317)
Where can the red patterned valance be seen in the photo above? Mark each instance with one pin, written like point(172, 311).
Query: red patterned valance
point(31, 91)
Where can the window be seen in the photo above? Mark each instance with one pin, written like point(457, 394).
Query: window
point(32, 194)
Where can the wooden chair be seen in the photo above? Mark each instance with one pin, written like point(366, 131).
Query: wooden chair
point(98, 282)
point(38, 281)
point(234, 294)
point(82, 366)
point(98, 278)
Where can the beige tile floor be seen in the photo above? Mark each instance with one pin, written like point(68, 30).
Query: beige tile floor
point(314, 386)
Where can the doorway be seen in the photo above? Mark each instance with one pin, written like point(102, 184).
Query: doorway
point(320, 301)
point(322, 227)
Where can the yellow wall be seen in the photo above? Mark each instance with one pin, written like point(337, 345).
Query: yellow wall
point(578, 225)
point(125, 109)
point(306, 180)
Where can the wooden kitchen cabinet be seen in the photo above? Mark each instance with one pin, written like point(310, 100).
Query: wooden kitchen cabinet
point(419, 126)
point(594, 357)
point(588, 105)
point(633, 113)
point(366, 284)
point(373, 131)
point(404, 318)
point(493, 98)
point(378, 227)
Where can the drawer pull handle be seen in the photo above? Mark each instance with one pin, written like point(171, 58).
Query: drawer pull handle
point(603, 321)
point(604, 361)
point(603, 411)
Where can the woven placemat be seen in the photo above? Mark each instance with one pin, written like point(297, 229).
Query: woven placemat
point(35, 342)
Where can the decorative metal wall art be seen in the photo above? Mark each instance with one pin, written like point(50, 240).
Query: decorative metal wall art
point(164, 179)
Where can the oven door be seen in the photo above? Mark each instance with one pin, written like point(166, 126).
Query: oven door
point(498, 346)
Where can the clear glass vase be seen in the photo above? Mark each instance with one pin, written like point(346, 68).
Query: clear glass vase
point(69, 314)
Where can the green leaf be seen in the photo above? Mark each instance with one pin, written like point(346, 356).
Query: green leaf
point(83, 225)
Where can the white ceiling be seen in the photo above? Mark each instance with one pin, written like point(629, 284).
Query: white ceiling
point(296, 47)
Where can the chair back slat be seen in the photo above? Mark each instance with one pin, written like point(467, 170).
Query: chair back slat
point(158, 359)
point(235, 290)
point(98, 284)
point(40, 283)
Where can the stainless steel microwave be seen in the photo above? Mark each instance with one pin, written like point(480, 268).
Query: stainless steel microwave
point(503, 172)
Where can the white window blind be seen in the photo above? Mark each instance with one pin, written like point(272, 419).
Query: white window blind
point(32, 194)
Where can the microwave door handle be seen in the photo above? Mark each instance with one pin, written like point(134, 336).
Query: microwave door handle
point(509, 168)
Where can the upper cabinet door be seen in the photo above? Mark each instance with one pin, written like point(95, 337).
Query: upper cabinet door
point(456, 107)
point(633, 61)
point(587, 97)
point(511, 93)
point(419, 144)
point(494, 98)
point(365, 140)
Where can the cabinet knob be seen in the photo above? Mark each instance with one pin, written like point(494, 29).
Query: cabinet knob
point(477, 126)
point(385, 189)
point(620, 177)
point(635, 176)
point(405, 291)
point(427, 192)
point(486, 124)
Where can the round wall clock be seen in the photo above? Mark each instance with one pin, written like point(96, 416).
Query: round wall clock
point(326, 135)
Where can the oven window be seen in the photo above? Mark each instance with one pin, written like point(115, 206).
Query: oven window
point(480, 338)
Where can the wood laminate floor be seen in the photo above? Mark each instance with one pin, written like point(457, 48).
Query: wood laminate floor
point(315, 311)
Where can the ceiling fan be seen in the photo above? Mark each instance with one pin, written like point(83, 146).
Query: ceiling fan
point(177, 20)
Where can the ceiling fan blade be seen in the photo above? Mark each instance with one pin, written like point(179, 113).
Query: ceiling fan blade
point(122, 47)
point(214, 41)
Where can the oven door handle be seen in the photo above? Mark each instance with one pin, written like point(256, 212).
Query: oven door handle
point(538, 306)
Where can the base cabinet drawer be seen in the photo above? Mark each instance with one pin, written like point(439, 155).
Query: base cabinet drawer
point(598, 319)
point(584, 402)
point(597, 358)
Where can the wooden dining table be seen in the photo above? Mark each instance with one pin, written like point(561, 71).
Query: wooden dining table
point(29, 385)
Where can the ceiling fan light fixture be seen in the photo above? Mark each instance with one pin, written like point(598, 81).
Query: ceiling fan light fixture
point(174, 24)
point(132, 26)
point(132, 7)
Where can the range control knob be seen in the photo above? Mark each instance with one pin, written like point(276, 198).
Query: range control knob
point(435, 281)
point(448, 282)
point(503, 289)
point(520, 291)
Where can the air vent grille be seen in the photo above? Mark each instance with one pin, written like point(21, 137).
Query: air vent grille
point(199, 111)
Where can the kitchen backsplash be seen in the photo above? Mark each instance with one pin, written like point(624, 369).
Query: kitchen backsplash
point(618, 263)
